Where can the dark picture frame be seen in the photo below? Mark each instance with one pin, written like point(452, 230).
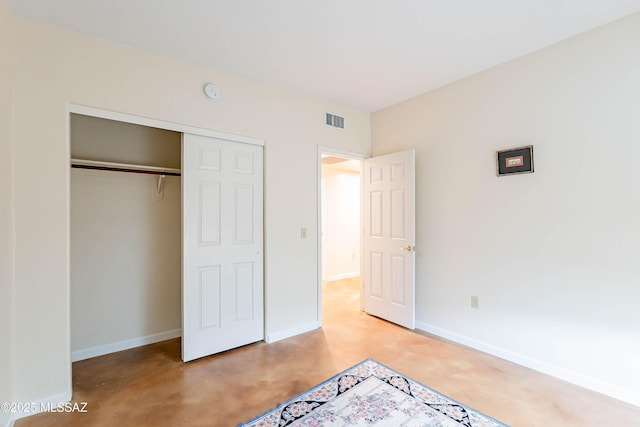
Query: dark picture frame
point(514, 161)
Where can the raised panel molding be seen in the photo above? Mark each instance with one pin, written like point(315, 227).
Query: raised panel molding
point(210, 296)
point(397, 171)
point(243, 233)
point(398, 215)
point(244, 291)
point(375, 275)
point(210, 196)
point(210, 159)
point(244, 163)
point(375, 220)
point(397, 280)
point(375, 174)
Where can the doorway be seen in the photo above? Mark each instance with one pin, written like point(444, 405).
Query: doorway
point(387, 233)
point(339, 228)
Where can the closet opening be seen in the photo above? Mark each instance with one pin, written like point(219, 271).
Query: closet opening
point(125, 221)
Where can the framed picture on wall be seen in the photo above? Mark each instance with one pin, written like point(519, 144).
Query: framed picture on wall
point(514, 161)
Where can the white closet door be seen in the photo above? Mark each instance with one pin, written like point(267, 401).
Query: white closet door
point(222, 233)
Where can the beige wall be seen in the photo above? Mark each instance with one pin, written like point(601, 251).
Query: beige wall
point(56, 68)
point(553, 256)
point(6, 208)
point(341, 223)
point(125, 261)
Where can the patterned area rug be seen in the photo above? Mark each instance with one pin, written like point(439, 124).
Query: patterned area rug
point(368, 394)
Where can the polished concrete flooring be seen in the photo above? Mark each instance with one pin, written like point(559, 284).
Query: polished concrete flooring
point(150, 386)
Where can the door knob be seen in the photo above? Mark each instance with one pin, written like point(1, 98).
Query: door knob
point(408, 248)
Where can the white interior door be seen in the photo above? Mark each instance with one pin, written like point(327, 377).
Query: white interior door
point(389, 237)
point(222, 261)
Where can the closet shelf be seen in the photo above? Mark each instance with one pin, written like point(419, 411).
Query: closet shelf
point(123, 167)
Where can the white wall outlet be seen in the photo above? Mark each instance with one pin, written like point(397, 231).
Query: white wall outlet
point(475, 303)
point(303, 233)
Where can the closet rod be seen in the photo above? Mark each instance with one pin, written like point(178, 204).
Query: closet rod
point(123, 167)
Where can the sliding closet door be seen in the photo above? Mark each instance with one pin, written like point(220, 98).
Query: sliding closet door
point(222, 233)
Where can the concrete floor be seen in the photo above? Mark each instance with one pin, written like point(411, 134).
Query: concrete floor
point(150, 386)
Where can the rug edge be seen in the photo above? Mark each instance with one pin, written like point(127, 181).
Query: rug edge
point(291, 399)
point(369, 359)
point(469, 408)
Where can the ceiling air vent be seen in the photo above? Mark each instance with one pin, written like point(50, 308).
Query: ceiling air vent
point(334, 120)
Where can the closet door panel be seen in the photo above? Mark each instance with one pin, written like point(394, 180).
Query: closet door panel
point(243, 214)
point(211, 298)
point(244, 284)
point(210, 213)
point(222, 227)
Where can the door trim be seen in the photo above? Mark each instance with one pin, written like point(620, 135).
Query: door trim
point(352, 155)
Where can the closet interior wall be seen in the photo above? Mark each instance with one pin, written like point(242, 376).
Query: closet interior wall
point(125, 238)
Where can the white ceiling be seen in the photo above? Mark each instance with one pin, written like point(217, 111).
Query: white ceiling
point(368, 54)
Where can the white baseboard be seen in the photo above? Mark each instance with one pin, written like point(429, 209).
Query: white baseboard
point(610, 390)
point(124, 345)
point(35, 407)
point(277, 336)
point(336, 277)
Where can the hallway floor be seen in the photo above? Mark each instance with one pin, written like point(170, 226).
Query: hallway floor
point(150, 386)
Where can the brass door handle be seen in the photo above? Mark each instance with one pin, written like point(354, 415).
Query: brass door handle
point(408, 248)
